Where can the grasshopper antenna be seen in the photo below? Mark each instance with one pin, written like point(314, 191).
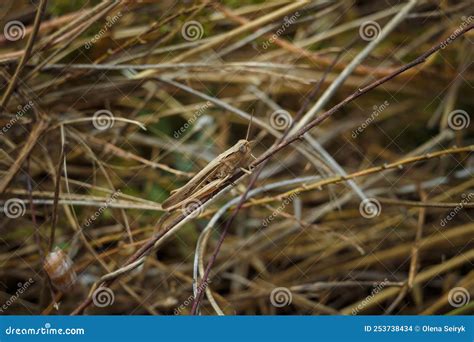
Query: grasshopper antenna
point(248, 128)
point(248, 132)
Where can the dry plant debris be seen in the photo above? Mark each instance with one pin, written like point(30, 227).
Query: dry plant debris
point(352, 193)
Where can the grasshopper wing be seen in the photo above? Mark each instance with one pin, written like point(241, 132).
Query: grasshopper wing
point(180, 194)
point(202, 177)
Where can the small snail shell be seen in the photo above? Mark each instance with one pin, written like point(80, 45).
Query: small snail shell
point(60, 269)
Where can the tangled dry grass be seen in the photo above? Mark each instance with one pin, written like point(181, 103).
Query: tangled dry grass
point(358, 198)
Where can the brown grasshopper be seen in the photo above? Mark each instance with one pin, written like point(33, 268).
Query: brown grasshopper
point(215, 173)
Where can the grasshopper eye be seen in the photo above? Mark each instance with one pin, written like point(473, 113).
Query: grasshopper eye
point(243, 149)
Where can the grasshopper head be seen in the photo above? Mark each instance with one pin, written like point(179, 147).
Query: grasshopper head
point(245, 151)
point(244, 146)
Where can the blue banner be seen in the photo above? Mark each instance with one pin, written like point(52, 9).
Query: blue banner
point(237, 328)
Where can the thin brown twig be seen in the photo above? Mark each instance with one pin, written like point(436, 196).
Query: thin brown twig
point(29, 47)
point(423, 204)
point(57, 188)
point(36, 132)
point(203, 283)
